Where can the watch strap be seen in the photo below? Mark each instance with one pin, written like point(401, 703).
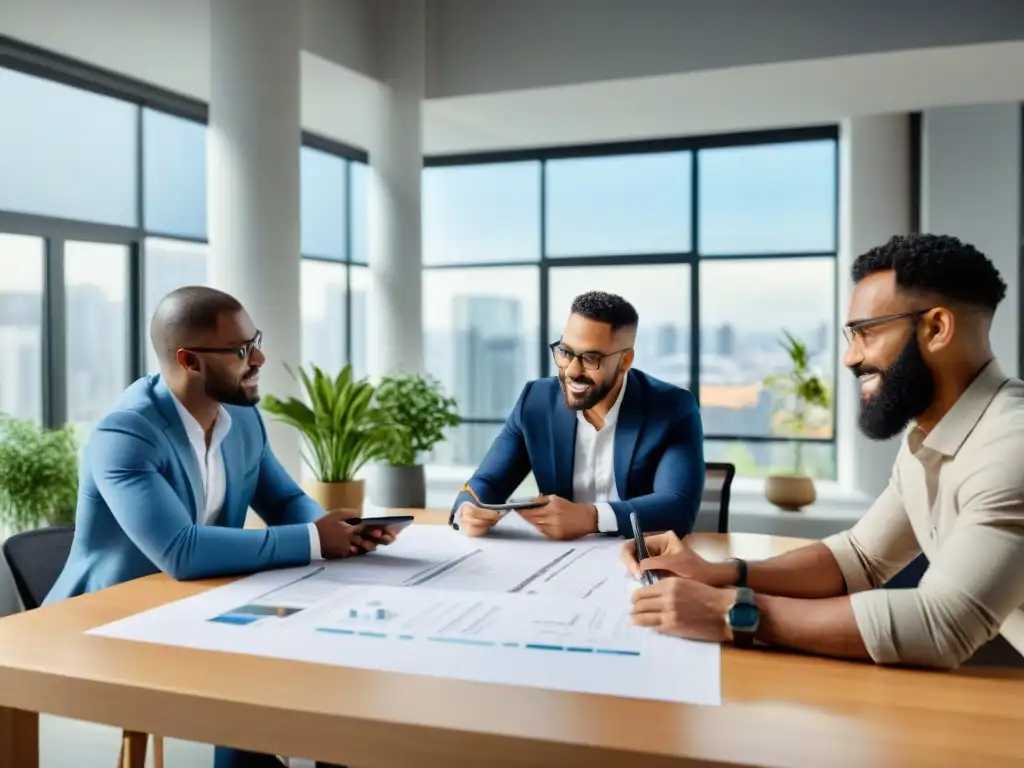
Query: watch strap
point(743, 639)
point(741, 572)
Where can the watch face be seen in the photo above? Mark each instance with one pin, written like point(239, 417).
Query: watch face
point(743, 616)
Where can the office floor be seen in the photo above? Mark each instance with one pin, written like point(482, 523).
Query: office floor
point(76, 744)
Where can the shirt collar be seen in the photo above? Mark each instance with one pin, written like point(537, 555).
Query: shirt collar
point(194, 429)
point(613, 413)
point(953, 428)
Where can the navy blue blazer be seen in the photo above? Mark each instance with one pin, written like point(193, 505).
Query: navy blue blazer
point(659, 453)
point(140, 488)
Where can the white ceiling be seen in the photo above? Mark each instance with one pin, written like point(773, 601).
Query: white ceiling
point(169, 46)
point(723, 100)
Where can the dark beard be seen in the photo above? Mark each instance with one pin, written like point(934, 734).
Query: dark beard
point(596, 395)
point(230, 392)
point(908, 389)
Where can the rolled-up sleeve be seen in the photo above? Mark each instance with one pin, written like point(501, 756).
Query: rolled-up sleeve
point(973, 583)
point(878, 546)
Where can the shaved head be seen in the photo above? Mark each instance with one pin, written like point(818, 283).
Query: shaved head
point(210, 351)
point(187, 314)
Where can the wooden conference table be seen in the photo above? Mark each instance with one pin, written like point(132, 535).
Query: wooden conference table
point(778, 709)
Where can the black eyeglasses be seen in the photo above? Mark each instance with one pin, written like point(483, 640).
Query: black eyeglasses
point(853, 330)
point(243, 350)
point(591, 361)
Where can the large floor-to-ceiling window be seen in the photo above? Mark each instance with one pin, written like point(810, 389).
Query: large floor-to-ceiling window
point(334, 272)
point(722, 244)
point(103, 212)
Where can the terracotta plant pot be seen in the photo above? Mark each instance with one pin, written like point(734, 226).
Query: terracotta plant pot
point(348, 495)
point(790, 492)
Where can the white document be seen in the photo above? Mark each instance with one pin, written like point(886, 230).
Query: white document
point(518, 611)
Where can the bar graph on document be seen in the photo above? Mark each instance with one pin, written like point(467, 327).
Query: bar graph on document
point(509, 621)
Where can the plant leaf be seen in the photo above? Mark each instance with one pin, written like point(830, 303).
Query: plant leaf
point(341, 429)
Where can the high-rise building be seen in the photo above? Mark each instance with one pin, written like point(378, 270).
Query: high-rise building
point(725, 338)
point(489, 350)
point(667, 340)
point(20, 384)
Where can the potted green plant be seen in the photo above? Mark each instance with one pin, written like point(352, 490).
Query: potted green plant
point(418, 403)
point(803, 403)
point(342, 429)
point(38, 475)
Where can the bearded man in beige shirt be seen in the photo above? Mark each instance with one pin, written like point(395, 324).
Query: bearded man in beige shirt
point(918, 340)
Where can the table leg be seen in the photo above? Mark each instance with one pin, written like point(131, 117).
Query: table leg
point(158, 751)
point(133, 750)
point(19, 738)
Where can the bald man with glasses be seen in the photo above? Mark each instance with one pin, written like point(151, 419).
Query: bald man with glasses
point(170, 472)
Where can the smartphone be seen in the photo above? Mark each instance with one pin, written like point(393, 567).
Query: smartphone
point(513, 505)
point(394, 521)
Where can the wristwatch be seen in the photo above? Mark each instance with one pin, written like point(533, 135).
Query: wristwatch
point(743, 618)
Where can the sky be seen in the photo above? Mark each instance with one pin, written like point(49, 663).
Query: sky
point(752, 200)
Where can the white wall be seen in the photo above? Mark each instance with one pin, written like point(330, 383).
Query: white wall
point(342, 32)
point(971, 188)
point(747, 98)
point(874, 204)
point(479, 46)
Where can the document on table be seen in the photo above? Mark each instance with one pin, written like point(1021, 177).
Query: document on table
point(438, 557)
point(519, 612)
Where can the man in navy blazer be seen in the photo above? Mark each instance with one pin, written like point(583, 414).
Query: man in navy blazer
point(168, 475)
point(602, 439)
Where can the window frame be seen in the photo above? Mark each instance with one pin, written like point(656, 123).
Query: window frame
point(693, 258)
point(55, 231)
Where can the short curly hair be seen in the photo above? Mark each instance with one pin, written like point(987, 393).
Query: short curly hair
point(936, 264)
point(607, 308)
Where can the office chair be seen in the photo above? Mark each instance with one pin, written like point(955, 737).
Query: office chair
point(36, 559)
point(718, 478)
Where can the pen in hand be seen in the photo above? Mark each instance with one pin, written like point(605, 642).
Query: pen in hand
point(648, 577)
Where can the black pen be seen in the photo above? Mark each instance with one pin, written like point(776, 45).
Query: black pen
point(649, 577)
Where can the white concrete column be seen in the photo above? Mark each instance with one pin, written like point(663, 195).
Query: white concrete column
point(874, 205)
point(253, 181)
point(395, 303)
point(971, 189)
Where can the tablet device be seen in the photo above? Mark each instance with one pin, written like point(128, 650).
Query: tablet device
point(394, 521)
point(513, 505)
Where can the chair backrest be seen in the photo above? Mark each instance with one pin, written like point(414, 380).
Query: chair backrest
point(36, 559)
point(714, 504)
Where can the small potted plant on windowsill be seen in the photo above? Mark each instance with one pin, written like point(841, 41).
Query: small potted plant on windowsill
point(38, 475)
point(417, 403)
point(343, 430)
point(803, 404)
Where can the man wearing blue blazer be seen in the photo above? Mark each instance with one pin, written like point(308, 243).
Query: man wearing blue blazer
point(602, 439)
point(168, 475)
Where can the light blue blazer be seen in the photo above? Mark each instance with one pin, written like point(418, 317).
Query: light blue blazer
point(139, 489)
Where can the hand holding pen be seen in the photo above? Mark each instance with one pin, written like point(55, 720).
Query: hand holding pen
point(640, 549)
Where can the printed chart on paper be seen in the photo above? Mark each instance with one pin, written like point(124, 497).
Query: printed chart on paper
point(510, 608)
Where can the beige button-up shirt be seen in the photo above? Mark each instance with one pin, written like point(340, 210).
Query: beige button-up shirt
point(956, 494)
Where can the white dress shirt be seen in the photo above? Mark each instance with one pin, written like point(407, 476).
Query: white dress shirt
point(211, 469)
point(593, 474)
